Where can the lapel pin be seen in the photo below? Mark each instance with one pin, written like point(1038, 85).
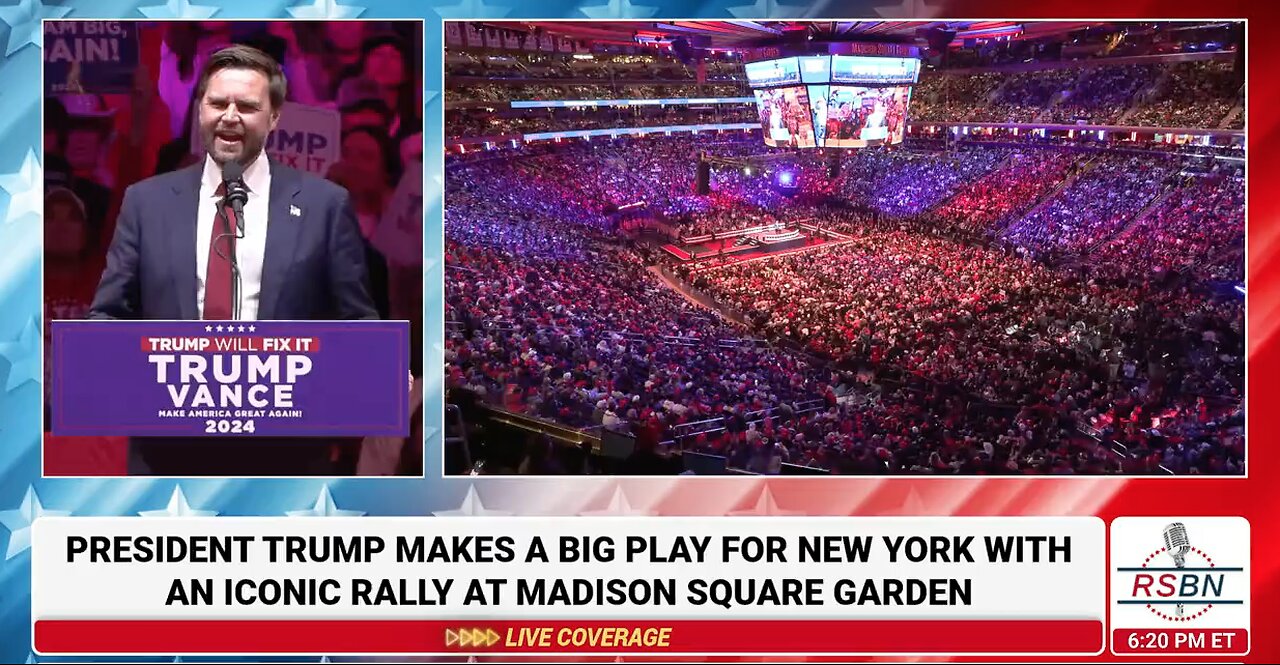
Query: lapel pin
point(295, 211)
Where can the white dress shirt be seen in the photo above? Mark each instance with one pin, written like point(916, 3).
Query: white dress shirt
point(249, 249)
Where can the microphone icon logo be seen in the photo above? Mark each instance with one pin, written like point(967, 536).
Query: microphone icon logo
point(1177, 544)
point(1189, 573)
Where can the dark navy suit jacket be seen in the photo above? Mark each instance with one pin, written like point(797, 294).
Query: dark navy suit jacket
point(313, 269)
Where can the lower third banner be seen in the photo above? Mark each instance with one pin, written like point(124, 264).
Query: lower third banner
point(206, 378)
point(503, 586)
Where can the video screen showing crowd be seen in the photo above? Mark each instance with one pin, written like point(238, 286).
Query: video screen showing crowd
point(819, 114)
point(860, 117)
point(843, 284)
point(785, 117)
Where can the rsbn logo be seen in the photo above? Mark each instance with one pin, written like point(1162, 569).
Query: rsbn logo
point(1189, 588)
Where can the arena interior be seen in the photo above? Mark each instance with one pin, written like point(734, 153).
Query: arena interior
point(865, 247)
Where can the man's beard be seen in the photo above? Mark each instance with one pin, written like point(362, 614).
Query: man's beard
point(242, 150)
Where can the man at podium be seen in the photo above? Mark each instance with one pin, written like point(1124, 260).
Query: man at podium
point(294, 252)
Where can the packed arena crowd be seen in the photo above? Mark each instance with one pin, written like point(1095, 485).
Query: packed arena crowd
point(941, 337)
point(1108, 193)
point(905, 182)
point(1102, 94)
point(1183, 94)
point(1205, 92)
point(1005, 329)
point(987, 203)
point(538, 89)
point(1211, 85)
point(994, 299)
point(544, 120)
point(1195, 227)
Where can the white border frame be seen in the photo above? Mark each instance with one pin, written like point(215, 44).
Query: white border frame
point(835, 477)
point(422, 24)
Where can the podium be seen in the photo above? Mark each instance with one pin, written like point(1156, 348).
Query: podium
point(229, 378)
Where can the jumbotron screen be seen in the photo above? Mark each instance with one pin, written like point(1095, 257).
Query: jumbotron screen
point(833, 116)
point(844, 102)
point(855, 117)
point(784, 71)
point(785, 117)
point(872, 70)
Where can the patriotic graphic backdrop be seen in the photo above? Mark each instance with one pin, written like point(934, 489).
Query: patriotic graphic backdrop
point(25, 496)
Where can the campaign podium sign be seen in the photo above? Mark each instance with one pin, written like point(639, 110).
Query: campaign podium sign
point(242, 378)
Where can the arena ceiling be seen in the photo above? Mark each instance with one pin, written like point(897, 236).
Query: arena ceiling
point(742, 33)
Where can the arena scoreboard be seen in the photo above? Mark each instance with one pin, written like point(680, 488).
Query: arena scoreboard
point(833, 101)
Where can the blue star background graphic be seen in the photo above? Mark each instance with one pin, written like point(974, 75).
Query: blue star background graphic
point(24, 21)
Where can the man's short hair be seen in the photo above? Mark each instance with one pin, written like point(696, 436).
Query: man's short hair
point(240, 56)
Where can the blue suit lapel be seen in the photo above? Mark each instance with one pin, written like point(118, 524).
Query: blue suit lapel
point(282, 237)
point(182, 239)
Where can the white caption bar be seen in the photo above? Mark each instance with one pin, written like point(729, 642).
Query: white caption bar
point(89, 568)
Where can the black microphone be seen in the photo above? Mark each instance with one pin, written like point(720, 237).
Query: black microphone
point(237, 194)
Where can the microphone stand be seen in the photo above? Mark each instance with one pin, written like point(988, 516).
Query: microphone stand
point(238, 234)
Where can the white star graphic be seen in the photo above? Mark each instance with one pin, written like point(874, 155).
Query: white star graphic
point(325, 9)
point(18, 521)
point(471, 9)
point(325, 507)
point(618, 505)
point(251, 328)
point(24, 187)
point(768, 8)
point(765, 505)
point(178, 507)
point(906, 9)
point(178, 9)
point(23, 356)
point(618, 9)
point(471, 507)
point(208, 328)
point(219, 328)
point(24, 22)
point(241, 328)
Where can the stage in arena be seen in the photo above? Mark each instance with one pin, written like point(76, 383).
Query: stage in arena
point(741, 244)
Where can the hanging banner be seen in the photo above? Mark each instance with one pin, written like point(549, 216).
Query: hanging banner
point(475, 35)
point(452, 33)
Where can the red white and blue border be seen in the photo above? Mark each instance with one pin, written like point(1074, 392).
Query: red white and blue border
point(24, 495)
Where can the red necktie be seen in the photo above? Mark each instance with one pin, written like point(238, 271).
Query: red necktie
point(217, 280)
